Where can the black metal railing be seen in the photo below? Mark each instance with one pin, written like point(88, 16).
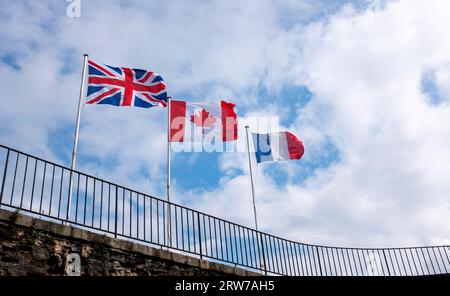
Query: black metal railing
point(37, 186)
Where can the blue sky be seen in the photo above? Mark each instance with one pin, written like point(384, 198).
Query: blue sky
point(364, 84)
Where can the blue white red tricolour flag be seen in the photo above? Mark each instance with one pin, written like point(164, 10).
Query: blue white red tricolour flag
point(120, 86)
point(277, 147)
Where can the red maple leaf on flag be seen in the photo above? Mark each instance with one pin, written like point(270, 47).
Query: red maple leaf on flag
point(203, 120)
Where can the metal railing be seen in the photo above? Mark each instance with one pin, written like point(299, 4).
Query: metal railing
point(41, 187)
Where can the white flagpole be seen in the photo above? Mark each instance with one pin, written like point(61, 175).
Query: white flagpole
point(77, 128)
point(251, 178)
point(169, 228)
point(254, 202)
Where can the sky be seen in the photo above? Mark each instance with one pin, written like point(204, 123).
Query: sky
point(364, 84)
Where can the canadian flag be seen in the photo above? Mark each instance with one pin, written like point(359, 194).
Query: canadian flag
point(197, 122)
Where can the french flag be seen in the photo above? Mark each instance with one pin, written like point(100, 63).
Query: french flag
point(277, 147)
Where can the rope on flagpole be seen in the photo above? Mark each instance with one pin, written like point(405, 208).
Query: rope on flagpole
point(75, 141)
point(251, 177)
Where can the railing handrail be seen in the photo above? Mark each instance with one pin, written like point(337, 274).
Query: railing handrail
point(262, 246)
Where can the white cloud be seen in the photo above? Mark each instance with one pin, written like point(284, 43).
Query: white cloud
point(391, 186)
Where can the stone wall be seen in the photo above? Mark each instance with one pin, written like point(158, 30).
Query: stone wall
point(30, 246)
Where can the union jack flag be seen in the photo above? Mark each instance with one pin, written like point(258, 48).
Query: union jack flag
point(121, 86)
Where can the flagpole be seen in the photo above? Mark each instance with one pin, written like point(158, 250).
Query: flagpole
point(260, 245)
point(251, 178)
point(77, 128)
point(169, 228)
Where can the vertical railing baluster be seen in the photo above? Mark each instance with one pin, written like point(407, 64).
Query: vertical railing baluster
point(205, 235)
point(425, 260)
point(339, 262)
point(343, 260)
point(333, 258)
point(145, 218)
point(42, 188)
point(324, 261)
point(51, 190)
point(85, 199)
point(318, 259)
point(131, 214)
point(359, 261)
point(93, 206)
point(116, 214)
point(387, 265)
point(231, 242)
point(354, 261)
point(193, 232)
point(60, 192)
point(270, 263)
point(413, 260)
point(215, 238)
point(151, 219)
point(299, 249)
point(199, 235)
point(32, 186)
point(14, 179)
point(226, 240)
point(435, 258)
point(164, 222)
point(240, 244)
point(157, 219)
point(442, 259)
point(210, 236)
point(78, 195)
point(329, 262)
point(292, 258)
point(256, 257)
point(101, 204)
point(282, 258)
point(263, 253)
point(407, 260)
point(182, 228)
point(188, 230)
point(446, 255)
point(392, 263)
point(401, 261)
point(123, 212)
point(5, 171)
point(431, 260)
point(109, 204)
point(249, 247)
point(284, 245)
point(420, 262)
point(296, 258)
point(349, 262)
point(309, 259)
point(381, 262)
point(221, 241)
point(273, 248)
point(176, 225)
point(24, 180)
point(137, 215)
